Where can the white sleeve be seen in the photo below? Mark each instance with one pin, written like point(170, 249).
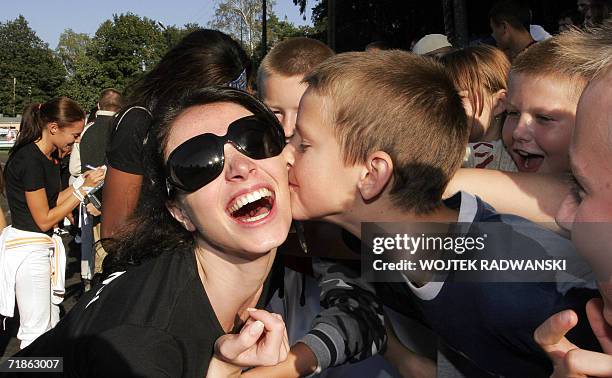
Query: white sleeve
point(75, 160)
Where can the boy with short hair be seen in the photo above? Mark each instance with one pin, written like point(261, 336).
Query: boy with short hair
point(345, 329)
point(387, 157)
point(280, 75)
point(543, 91)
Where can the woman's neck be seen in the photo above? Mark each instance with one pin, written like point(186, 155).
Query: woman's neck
point(45, 146)
point(232, 283)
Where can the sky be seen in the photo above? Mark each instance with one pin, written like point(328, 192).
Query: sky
point(49, 18)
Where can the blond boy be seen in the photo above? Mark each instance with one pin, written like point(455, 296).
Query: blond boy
point(345, 329)
point(280, 75)
point(378, 137)
point(543, 93)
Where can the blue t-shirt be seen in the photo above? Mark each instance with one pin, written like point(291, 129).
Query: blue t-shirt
point(486, 328)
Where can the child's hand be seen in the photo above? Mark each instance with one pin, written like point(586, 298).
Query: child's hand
point(262, 341)
point(569, 360)
point(222, 369)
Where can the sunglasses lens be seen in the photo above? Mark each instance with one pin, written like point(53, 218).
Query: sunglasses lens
point(199, 160)
point(196, 162)
point(259, 138)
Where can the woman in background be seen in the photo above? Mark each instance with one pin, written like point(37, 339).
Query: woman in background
point(32, 259)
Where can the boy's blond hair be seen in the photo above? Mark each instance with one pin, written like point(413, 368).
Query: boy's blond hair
point(589, 51)
point(402, 104)
point(544, 60)
point(291, 57)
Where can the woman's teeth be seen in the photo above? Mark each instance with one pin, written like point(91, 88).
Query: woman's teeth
point(258, 217)
point(245, 199)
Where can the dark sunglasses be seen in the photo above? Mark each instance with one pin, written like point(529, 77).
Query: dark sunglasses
point(200, 160)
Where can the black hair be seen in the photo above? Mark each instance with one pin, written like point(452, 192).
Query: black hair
point(515, 13)
point(202, 58)
point(152, 229)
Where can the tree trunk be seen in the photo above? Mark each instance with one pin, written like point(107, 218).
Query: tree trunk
point(264, 28)
point(331, 24)
point(461, 24)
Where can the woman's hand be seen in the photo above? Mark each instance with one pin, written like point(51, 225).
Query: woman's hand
point(568, 359)
point(91, 209)
point(262, 341)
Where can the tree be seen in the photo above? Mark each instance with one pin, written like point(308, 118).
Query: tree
point(27, 65)
point(241, 19)
point(72, 48)
point(360, 22)
point(122, 49)
point(173, 34)
point(127, 46)
point(279, 30)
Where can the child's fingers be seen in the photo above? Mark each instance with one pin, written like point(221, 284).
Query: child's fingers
point(272, 322)
point(229, 347)
point(550, 335)
point(580, 362)
point(599, 325)
point(268, 351)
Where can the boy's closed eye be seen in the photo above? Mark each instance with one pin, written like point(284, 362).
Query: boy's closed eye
point(542, 118)
point(303, 146)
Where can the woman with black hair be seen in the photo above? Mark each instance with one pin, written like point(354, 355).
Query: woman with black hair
point(201, 59)
point(199, 255)
point(32, 259)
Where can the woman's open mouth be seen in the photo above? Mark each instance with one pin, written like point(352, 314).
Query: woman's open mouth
point(252, 207)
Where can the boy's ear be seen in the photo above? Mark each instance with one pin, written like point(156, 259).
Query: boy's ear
point(180, 215)
point(377, 173)
point(499, 103)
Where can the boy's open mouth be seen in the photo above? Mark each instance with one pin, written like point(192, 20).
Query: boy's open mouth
point(527, 162)
point(253, 206)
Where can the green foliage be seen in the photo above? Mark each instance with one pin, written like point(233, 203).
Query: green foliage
point(71, 49)
point(121, 51)
point(126, 47)
point(279, 30)
point(28, 61)
point(242, 20)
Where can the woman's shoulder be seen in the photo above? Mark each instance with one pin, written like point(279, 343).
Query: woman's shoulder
point(158, 279)
point(24, 156)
